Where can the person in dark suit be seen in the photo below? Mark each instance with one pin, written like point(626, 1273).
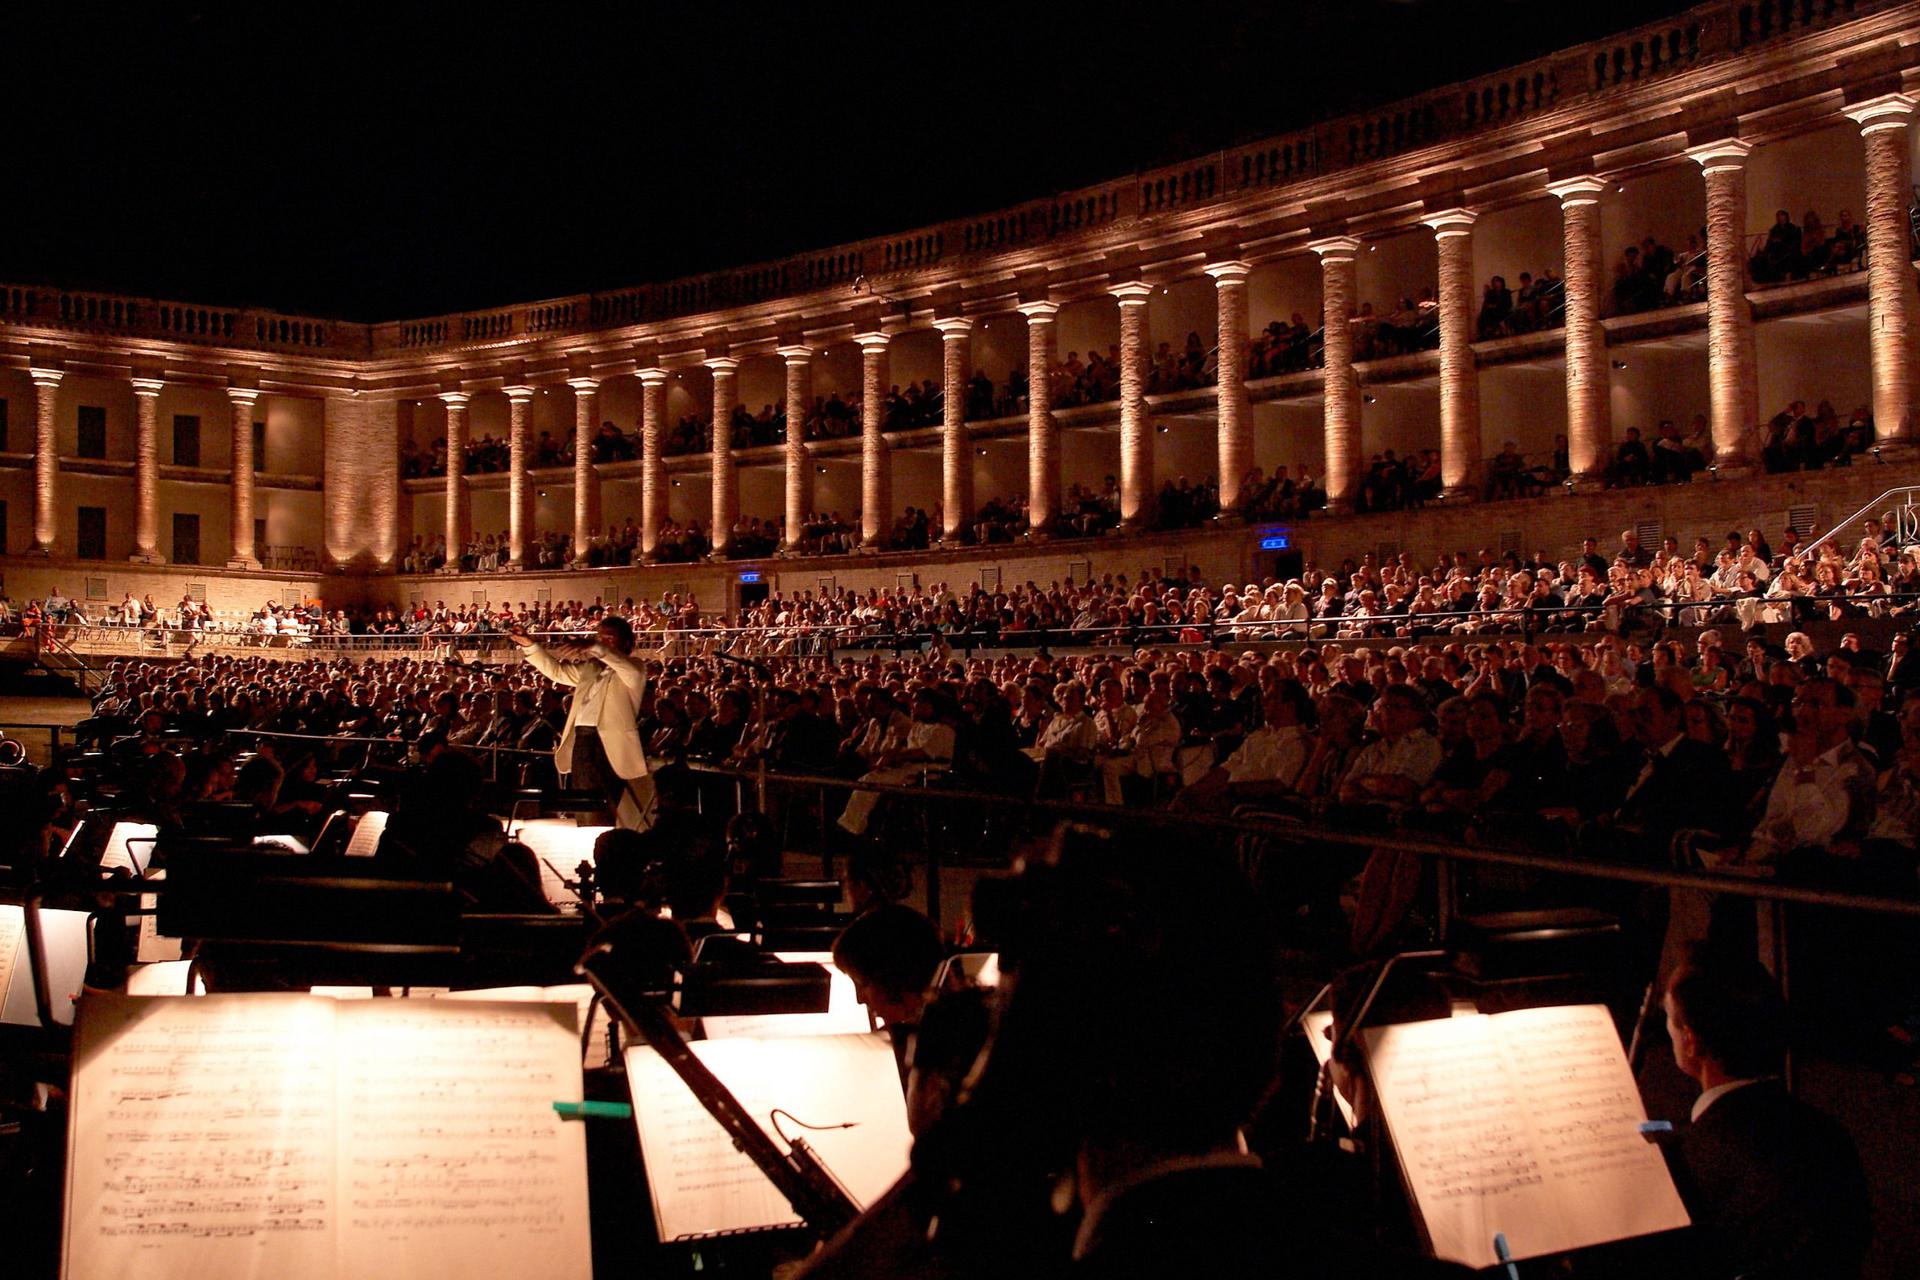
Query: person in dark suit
point(1683, 783)
point(1774, 1186)
point(1903, 668)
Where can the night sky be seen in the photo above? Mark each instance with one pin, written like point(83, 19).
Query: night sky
point(403, 161)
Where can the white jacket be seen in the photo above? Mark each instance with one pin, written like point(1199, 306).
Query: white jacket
point(619, 726)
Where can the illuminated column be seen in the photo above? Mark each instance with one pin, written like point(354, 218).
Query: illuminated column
point(46, 460)
point(1883, 125)
point(1043, 435)
point(586, 481)
point(1136, 429)
point(653, 471)
point(956, 455)
point(519, 484)
point(1732, 381)
point(876, 465)
point(458, 518)
point(1230, 334)
point(726, 484)
point(799, 465)
point(1340, 393)
point(1589, 435)
point(146, 472)
point(243, 557)
point(1459, 376)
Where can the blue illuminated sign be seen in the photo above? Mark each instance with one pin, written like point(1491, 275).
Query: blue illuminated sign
point(750, 576)
point(1276, 542)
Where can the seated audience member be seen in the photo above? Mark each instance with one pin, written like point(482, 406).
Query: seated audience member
point(1268, 761)
point(1774, 1187)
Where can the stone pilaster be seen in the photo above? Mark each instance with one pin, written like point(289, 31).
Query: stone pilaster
point(244, 552)
point(876, 460)
point(458, 520)
point(1230, 336)
point(1459, 374)
point(1340, 392)
point(1895, 311)
point(360, 485)
point(586, 481)
point(46, 460)
point(956, 450)
point(1589, 377)
point(146, 472)
point(519, 484)
point(1043, 434)
point(1136, 427)
point(1733, 382)
point(653, 471)
point(726, 482)
point(799, 464)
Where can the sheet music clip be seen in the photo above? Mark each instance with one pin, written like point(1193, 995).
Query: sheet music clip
point(593, 1110)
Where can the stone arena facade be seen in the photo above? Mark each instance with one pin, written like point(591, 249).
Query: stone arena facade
point(266, 448)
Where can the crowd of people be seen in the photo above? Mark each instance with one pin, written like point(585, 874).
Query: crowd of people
point(1786, 252)
point(1536, 304)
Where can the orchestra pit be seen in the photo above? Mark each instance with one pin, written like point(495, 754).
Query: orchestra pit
point(1342, 702)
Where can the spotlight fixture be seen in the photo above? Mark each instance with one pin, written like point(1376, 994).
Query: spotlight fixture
point(1619, 364)
point(981, 452)
point(1373, 248)
point(821, 470)
point(676, 484)
point(1366, 399)
point(1568, 482)
point(1713, 472)
point(1876, 456)
point(1163, 430)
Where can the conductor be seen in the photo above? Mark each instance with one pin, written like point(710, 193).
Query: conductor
point(600, 746)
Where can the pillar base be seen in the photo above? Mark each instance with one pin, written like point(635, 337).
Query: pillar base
point(789, 553)
point(1231, 518)
point(1740, 470)
point(872, 548)
point(1901, 450)
point(513, 566)
point(45, 552)
point(1595, 482)
point(1037, 535)
point(718, 557)
point(243, 562)
point(1460, 493)
point(146, 557)
point(955, 542)
point(1339, 507)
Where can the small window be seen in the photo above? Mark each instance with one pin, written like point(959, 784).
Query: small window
point(93, 533)
point(260, 536)
point(93, 432)
point(96, 588)
point(197, 590)
point(259, 446)
point(990, 579)
point(186, 440)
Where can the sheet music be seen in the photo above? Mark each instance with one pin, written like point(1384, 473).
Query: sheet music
point(365, 840)
point(118, 856)
point(202, 1139)
point(163, 978)
point(236, 1137)
point(63, 939)
point(577, 994)
point(152, 946)
point(559, 846)
point(1610, 1182)
point(702, 1186)
point(13, 943)
point(452, 1160)
point(1523, 1123)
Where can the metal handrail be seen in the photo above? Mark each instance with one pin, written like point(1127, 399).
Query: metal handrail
point(1909, 521)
